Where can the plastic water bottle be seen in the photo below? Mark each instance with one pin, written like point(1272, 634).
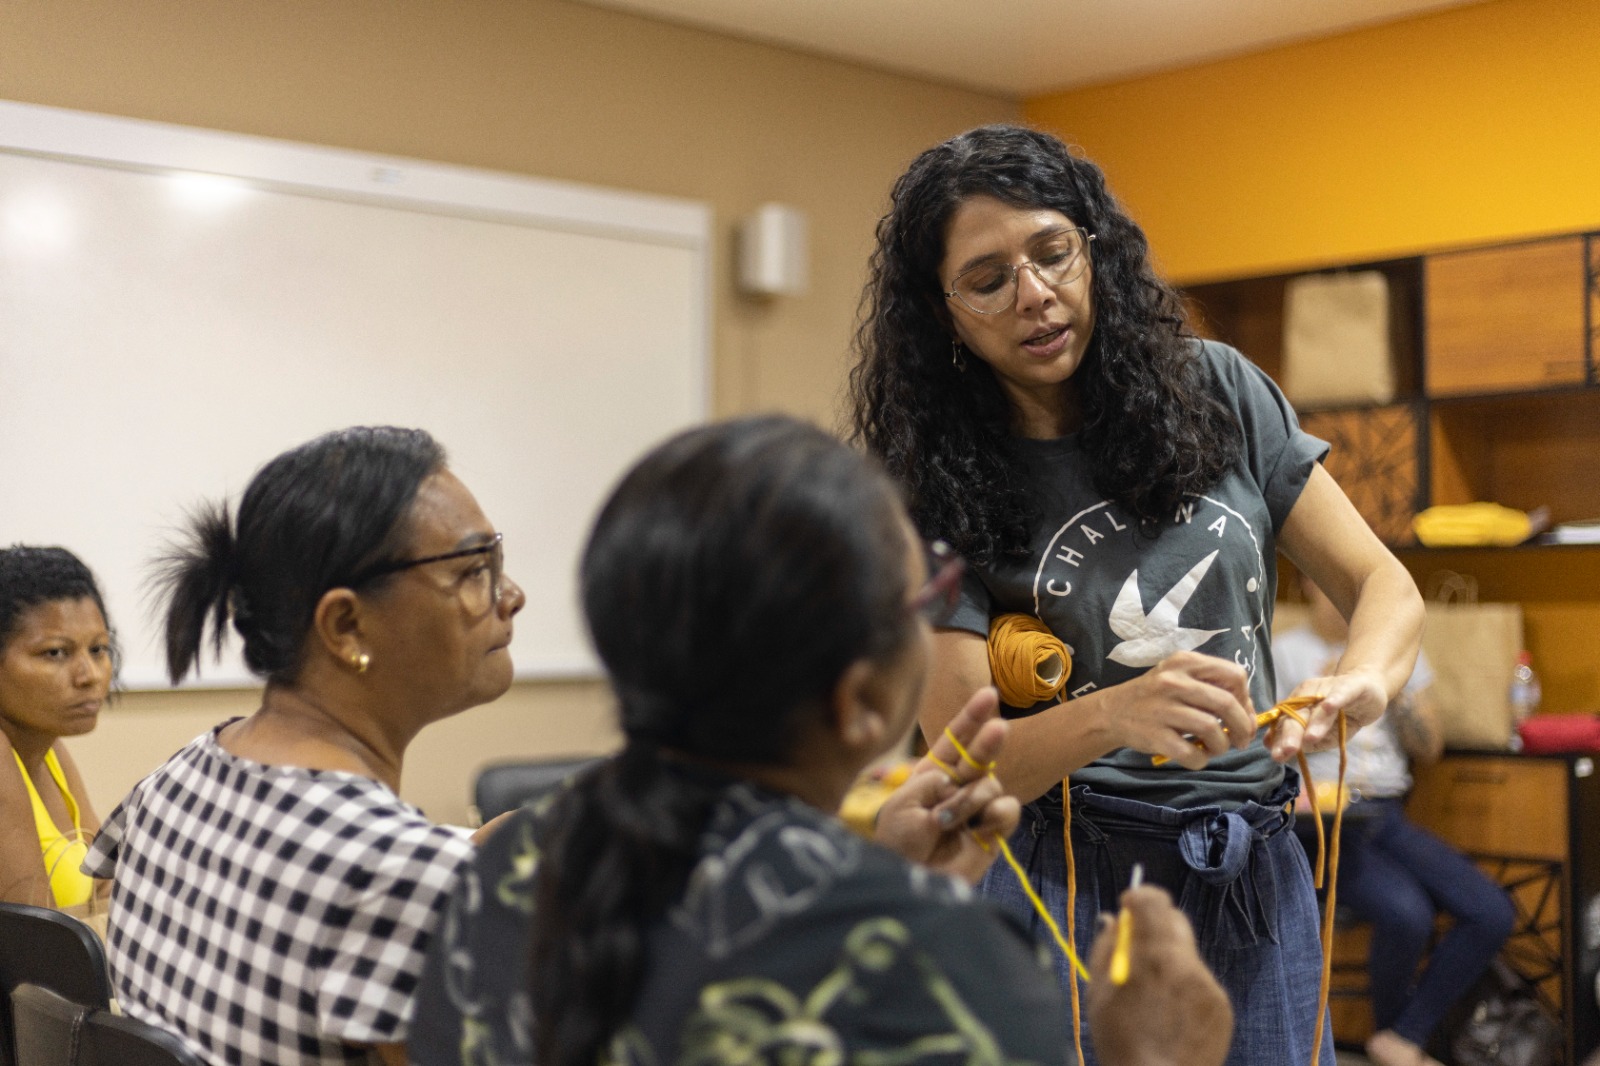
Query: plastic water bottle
point(1524, 696)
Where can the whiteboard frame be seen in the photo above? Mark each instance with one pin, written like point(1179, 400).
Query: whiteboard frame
point(392, 181)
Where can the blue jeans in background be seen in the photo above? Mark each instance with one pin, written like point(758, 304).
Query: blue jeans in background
point(1399, 877)
point(1243, 882)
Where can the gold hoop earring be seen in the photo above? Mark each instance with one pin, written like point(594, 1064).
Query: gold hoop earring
point(361, 662)
point(957, 358)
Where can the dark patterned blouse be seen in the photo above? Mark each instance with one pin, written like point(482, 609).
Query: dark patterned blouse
point(796, 943)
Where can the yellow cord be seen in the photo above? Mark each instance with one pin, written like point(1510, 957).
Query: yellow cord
point(1044, 912)
point(1005, 851)
point(1028, 662)
point(1265, 718)
point(1327, 850)
point(1072, 910)
point(966, 756)
point(1023, 657)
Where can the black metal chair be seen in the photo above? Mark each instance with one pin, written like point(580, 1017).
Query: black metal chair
point(505, 786)
point(117, 1040)
point(47, 1026)
point(52, 950)
point(54, 1031)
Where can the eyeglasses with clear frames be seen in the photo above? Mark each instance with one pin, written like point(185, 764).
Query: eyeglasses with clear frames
point(937, 599)
point(990, 288)
point(480, 589)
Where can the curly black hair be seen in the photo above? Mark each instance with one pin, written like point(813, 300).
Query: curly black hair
point(1152, 429)
point(31, 575)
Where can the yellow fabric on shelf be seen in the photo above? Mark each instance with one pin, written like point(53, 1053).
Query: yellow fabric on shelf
point(1469, 525)
point(1028, 662)
point(63, 852)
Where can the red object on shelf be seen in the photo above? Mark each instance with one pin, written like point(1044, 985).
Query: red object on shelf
point(1553, 734)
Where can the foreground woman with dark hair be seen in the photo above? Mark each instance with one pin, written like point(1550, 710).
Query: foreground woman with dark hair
point(57, 660)
point(1035, 387)
point(273, 897)
point(762, 607)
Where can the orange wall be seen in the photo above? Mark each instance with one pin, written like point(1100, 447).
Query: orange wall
point(1462, 127)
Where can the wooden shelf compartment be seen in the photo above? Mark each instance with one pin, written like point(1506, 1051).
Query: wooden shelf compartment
point(1541, 449)
point(1507, 318)
point(1248, 314)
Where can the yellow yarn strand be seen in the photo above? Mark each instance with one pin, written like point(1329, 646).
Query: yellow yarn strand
point(1044, 912)
point(1029, 663)
point(1327, 843)
point(1265, 718)
point(1072, 911)
point(966, 756)
point(1005, 852)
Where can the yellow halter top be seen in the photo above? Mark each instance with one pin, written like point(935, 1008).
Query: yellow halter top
point(63, 852)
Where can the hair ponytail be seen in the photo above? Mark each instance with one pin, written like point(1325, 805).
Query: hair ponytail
point(312, 519)
point(730, 580)
point(197, 575)
point(626, 839)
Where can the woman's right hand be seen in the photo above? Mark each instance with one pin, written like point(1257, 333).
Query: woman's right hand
point(1185, 693)
point(1170, 1009)
point(949, 812)
point(1188, 707)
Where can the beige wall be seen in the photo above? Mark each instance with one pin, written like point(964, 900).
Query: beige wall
point(540, 87)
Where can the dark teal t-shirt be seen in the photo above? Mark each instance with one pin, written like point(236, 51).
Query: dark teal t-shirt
point(1122, 602)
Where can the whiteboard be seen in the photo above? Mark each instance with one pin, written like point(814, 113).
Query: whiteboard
point(177, 306)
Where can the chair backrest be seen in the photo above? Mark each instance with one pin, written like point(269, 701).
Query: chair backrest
point(47, 1026)
point(53, 950)
point(51, 1030)
point(505, 786)
point(117, 1040)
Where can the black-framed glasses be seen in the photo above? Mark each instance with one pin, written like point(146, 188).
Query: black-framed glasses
point(480, 589)
point(990, 288)
point(937, 599)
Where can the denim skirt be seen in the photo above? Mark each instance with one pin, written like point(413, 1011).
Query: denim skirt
point(1242, 880)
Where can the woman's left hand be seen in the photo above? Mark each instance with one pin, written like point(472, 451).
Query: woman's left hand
point(1361, 694)
point(951, 825)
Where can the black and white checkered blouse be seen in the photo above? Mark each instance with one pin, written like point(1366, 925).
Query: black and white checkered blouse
point(271, 914)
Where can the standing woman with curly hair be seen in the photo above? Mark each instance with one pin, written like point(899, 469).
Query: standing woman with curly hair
point(1035, 387)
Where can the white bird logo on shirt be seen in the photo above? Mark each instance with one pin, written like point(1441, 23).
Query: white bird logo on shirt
point(1149, 638)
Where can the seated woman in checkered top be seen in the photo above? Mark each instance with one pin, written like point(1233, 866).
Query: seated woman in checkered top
point(273, 897)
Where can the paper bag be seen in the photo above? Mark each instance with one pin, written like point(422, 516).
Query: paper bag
point(1473, 648)
point(1336, 339)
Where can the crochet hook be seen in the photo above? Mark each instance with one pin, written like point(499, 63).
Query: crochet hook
point(1120, 961)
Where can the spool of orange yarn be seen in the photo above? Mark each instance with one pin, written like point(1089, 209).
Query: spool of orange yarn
point(1028, 662)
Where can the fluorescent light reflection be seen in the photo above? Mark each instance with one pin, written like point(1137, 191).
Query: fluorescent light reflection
point(207, 192)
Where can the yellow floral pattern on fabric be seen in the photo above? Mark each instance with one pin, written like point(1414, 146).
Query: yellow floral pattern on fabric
point(751, 1021)
point(794, 943)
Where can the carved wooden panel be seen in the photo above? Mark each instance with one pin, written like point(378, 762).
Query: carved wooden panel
point(1374, 459)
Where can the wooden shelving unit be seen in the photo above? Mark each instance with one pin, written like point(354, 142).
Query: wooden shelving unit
point(1497, 398)
point(1497, 375)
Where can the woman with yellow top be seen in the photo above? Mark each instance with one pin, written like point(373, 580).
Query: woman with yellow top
point(57, 660)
